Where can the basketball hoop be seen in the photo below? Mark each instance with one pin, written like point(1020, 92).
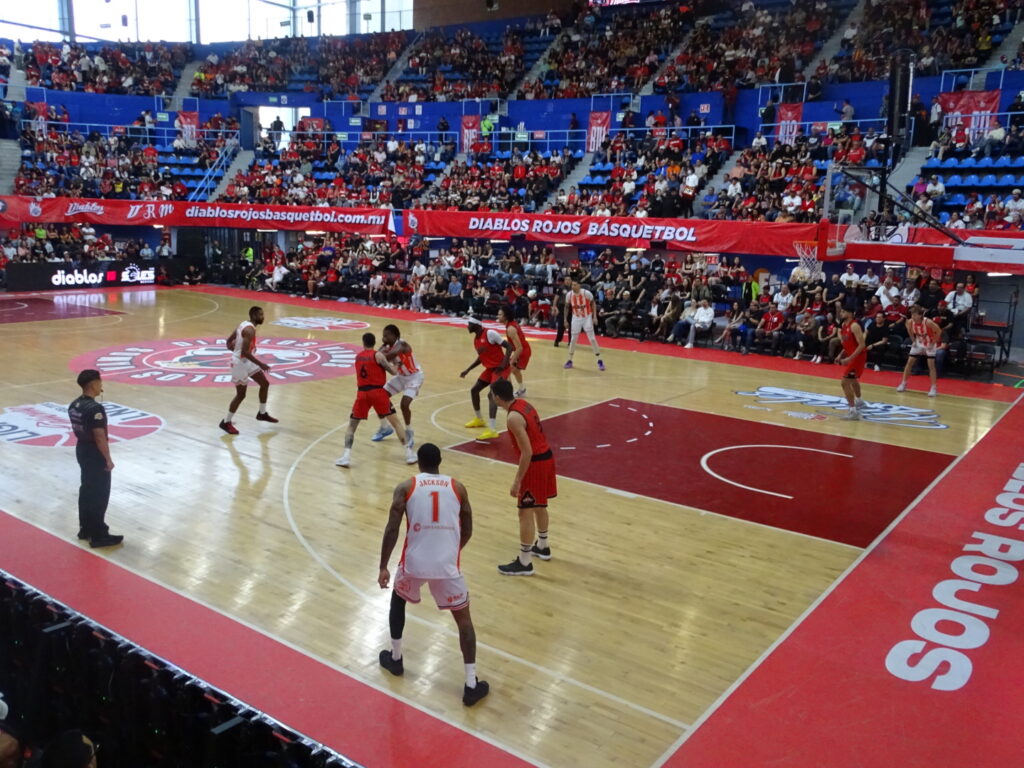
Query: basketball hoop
point(807, 253)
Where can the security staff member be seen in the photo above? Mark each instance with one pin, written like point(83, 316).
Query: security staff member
point(89, 422)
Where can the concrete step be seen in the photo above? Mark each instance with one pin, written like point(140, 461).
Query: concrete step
point(241, 162)
point(572, 180)
point(184, 87)
point(10, 161)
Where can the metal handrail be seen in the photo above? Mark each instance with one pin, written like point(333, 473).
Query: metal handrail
point(157, 135)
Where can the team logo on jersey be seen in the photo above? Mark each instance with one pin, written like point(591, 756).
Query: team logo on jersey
point(321, 323)
point(880, 413)
point(47, 424)
point(207, 362)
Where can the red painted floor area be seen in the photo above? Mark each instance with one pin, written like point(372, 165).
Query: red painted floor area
point(32, 309)
point(364, 724)
point(914, 659)
point(961, 387)
point(657, 451)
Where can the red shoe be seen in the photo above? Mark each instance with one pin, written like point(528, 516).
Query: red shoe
point(228, 427)
point(266, 417)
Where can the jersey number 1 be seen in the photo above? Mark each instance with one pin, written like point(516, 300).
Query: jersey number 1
point(435, 499)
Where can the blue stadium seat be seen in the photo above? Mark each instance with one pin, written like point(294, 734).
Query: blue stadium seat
point(954, 181)
point(989, 180)
point(971, 180)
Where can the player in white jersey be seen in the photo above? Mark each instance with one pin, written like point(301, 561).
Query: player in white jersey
point(581, 308)
point(440, 523)
point(244, 366)
point(924, 342)
point(408, 381)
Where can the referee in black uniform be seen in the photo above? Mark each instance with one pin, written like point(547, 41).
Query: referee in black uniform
point(89, 421)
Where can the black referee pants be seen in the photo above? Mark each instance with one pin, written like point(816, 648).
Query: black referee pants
point(94, 492)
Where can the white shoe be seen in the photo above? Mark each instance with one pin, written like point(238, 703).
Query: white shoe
point(859, 404)
point(344, 461)
point(902, 387)
point(796, 356)
point(817, 360)
point(878, 368)
point(688, 346)
point(850, 415)
point(520, 392)
point(933, 392)
point(410, 456)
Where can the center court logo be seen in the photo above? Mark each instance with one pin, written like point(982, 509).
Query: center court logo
point(881, 413)
point(207, 362)
point(47, 424)
point(321, 323)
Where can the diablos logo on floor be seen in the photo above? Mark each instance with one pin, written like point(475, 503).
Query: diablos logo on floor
point(47, 424)
point(206, 362)
point(321, 323)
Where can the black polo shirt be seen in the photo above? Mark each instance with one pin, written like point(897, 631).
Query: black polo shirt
point(86, 415)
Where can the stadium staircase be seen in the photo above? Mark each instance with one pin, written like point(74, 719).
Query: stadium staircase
point(396, 69)
point(1007, 48)
point(16, 85)
point(648, 88)
point(716, 182)
point(540, 66)
point(10, 160)
point(833, 44)
point(184, 87)
point(241, 162)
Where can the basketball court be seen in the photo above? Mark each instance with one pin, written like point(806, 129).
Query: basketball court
point(717, 529)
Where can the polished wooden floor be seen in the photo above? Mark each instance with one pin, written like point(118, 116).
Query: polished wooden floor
point(648, 612)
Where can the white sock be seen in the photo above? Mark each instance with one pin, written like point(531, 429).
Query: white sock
point(477, 412)
point(491, 423)
point(229, 417)
point(263, 407)
point(396, 649)
point(470, 675)
point(542, 539)
point(524, 553)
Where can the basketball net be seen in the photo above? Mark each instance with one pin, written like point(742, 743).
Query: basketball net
point(807, 253)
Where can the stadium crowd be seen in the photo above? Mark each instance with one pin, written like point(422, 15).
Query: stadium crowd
point(138, 69)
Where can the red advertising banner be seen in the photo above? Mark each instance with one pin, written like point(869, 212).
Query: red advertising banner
point(789, 117)
point(311, 124)
point(973, 108)
point(597, 130)
point(15, 211)
point(470, 130)
point(679, 234)
point(188, 123)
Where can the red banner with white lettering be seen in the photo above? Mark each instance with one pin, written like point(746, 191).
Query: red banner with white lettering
point(15, 211)
point(189, 122)
point(789, 117)
point(597, 130)
point(680, 234)
point(470, 130)
point(973, 108)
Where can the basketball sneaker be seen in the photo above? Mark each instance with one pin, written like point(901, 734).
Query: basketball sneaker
point(394, 666)
point(488, 434)
point(473, 423)
point(381, 433)
point(902, 386)
point(410, 456)
point(568, 364)
point(543, 554)
point(408, 438)
point(344, 461)
point(600, 364)
point(933, 392)
point(520, 392)
point(516, 568)
point(471, 696)
point(266, 417)
point(851, 415)
point(228, 427)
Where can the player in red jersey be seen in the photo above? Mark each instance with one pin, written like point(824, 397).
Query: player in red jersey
point(492, 352)
point(854, 358)
point(924, 342)
point(535, 481)
point(371, 376)
point(439, 523)
point(520, 356)
point(244, 366)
